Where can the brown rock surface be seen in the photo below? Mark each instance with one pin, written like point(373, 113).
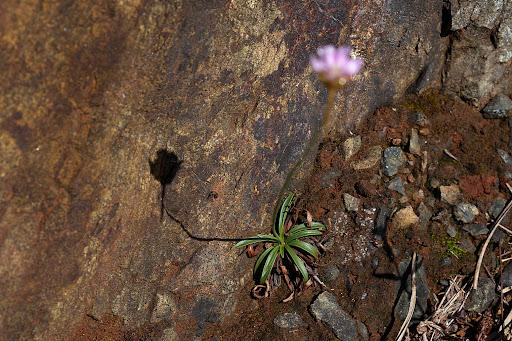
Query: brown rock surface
point(103, 103)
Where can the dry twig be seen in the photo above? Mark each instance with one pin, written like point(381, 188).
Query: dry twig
point(412, 303)
point(484, 247)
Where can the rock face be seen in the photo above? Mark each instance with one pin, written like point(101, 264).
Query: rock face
point(480, 48)
point(140, 139)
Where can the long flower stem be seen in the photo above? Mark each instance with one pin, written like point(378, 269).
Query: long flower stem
point(309, 147)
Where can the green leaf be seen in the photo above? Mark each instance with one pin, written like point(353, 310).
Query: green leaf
point(317, 225)
point(256, 239)
point(297, 228)
point(298, 262)
point(300, 227)
point(284, 212)
point(281, 250)
point(261, 258)
point(269, 263)
point(305, 247)
point(301, 234)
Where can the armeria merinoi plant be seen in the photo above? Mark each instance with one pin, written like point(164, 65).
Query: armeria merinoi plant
point(284, 252)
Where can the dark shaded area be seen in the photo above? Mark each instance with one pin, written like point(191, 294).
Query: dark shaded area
point(164, 169)
point(203, 312)
point(446, 19)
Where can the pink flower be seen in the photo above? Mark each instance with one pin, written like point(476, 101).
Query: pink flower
point(334, 65)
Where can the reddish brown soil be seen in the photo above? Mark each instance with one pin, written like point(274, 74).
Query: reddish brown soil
point(367, 294)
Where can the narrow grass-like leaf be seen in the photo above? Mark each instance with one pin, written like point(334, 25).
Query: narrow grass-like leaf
point(317, 225)
point(256, 239)
point(281, 250)
point(261, 258)
point(283, 213)
point(301, 234)
point(298, 262)
point(300, 227)
point(269, 264)
point(297, 228)
point(305, 247)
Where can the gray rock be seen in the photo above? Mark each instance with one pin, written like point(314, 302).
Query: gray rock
point(444, 282)
point(325, 309)
point(450, 194)
point(465, 212)
point(474, 12)
point(404, 289)
point(451, 231)
point(374, 263)
point(507, 160)
point(467, 246)
point(481, 298)
point(498, 236)
point(392, 158)
point(331, 273)
point(420, 119)
point(289, 320)
point(446, 261)
point(434, 183)
point(414, 143)
point(397, 185)
point(425, 215)
point(507, 275)
point(351, 146)
point(473, 84)
point(499, 107)
point(496, 207)
point(351, 202)
point(329, 178)
point(373, 157)
point(381, 223)
point(476, 229)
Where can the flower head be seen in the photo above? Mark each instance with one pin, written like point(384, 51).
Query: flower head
point(334, 65)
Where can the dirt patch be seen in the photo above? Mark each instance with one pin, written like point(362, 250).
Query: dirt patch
point(456, 145)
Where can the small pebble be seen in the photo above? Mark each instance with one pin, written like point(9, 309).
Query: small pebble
point(444, 282)
point(351, 146)
point(331, 273)
point(405, 217)
point(499, 107)
point(425, 215)
point(420, 119)
point(434, 183)
point(507, 160)
point(450, 194)
point(446, 261)
point(351, 202)
point(289, 320)
point(475, 229)
point(496, 207)
point(467, 246)
point(374, 155)
point(451, 231)
point(392, 158)
point(414, 143)
point(465, 212)
point(397, 185)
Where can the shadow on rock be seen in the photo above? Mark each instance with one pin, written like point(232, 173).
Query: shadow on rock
point(164, 169)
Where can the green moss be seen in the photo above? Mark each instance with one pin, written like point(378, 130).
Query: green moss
point(429, 103)
point(449, 245)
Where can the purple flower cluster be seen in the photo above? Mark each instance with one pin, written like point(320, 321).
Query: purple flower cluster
point(334, 65)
